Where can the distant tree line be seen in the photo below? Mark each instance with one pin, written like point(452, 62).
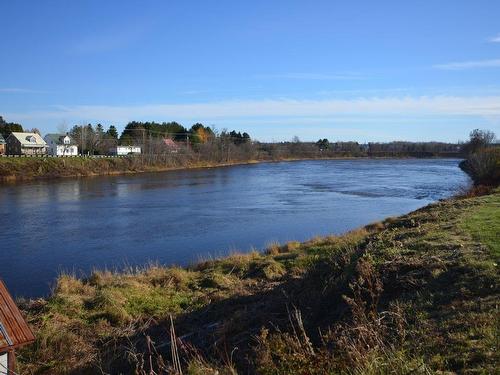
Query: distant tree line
point(94, 139)
point(203, 142)
point(397, 147)
point(8, 127)
point(151, 137)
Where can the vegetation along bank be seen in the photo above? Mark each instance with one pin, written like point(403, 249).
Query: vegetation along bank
point(165, 146)
point(413, 294)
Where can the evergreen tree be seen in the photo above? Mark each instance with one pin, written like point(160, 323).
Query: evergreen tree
point(112, 132)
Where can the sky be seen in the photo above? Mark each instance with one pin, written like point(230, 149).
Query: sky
point(343, 70)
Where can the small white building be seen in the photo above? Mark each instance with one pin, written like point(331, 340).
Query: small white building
point(126, 150)
point(61, 145)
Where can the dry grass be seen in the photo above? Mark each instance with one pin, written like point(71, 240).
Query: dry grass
point(415, 294)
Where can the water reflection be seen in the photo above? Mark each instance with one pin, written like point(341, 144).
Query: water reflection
point(178, 217)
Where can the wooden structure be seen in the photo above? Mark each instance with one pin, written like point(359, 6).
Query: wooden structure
point(26, 144)
point(14, 331)
point(2, 145)
point(170, 145)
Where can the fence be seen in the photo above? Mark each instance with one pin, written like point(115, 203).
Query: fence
point(66, 156)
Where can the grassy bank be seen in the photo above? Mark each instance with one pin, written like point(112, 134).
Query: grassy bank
point(414, 294)
point(31, 168)
point(25, 169)
point(22, 169)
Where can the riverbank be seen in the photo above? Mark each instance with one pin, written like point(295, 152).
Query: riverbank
point(415, 293)
point(26, 169)
point(18, 169)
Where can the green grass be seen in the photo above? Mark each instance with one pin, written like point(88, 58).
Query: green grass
point(414, 294)
point(483, 223)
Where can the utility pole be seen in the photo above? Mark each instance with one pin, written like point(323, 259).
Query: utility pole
point(81, 134)
point(144, 140)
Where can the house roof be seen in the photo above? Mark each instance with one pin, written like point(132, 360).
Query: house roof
point(170, 143)
point(29, 139)
point(14, 330)
point(2, 140)
point(57, 138)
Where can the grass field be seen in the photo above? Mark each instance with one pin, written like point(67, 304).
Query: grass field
point(482, 223)
point(415, 294)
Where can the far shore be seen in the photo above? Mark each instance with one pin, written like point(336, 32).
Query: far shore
point(24, 169)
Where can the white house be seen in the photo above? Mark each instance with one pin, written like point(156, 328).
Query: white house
point(61, 145)
point(126, 150)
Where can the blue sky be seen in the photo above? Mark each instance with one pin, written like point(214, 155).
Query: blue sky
point(345, 70)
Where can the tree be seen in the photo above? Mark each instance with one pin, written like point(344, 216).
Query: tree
point(134, 133)
point(138, 131)
point(239, 138)
point(323, 144)
point(94, 137)
point(479, 139)
point(482, 166)
point(62, 128)
point(201, 134)
point(8, 127)
point(86, 137)
point(112, 132)
point(99, 129)
point(126, 140)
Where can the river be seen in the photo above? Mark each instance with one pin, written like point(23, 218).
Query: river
point(180, 217)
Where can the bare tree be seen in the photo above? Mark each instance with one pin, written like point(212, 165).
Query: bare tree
point(479, 139)
point(62, 128)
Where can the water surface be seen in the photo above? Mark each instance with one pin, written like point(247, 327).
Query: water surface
point(179, 217)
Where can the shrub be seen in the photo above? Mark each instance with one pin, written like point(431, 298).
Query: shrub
point(483, 166)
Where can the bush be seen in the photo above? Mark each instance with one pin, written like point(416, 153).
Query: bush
point(483, 166)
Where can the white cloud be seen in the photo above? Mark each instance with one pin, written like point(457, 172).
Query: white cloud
point(484, 106)
point(495, 39)
point(494, 63)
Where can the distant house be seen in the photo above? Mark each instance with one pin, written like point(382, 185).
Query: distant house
point(125, 150)
point(61, 145)
point(2, 145)
point(26, 144)
point(170, 145)
point(14, 332)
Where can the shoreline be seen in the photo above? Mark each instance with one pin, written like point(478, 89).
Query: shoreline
point(204, 248)
point(48, 176)
point(265, 251)
point(444, 247)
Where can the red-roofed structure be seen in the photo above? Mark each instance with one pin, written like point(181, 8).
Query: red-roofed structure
point(14, 331)
point(170, 145)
